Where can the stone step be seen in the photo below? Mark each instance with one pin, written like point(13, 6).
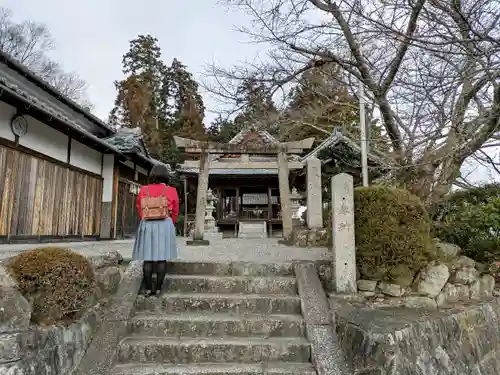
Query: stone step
point(231, 269)
point(224, 303)
point(202, 325)
point(250, 235)
point(212, 236)
point(283, 368)
point(231, 284)
point(213, 350)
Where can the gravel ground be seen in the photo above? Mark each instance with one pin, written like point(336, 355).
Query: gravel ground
point(231, 249)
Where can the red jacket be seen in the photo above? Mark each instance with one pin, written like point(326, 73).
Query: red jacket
point(155, 190)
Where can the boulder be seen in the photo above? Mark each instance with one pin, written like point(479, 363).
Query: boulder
point(10, 349)
point(392, 290)
point(465, 275)
point(367, 285)
point(464, 261)
point(109, 259)
point(432, 279)
point(448, 295)
point(446, 250)
point(15, 310)
point(463, 292)
point(482, 287)
point(108, 279)
point(420, 302)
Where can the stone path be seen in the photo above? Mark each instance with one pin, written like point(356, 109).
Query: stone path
point(226, 250)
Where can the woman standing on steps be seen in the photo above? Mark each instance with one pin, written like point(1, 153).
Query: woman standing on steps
point(155, 242)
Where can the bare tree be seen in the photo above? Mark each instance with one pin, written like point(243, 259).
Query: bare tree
point(29, 42)
point(431, 67)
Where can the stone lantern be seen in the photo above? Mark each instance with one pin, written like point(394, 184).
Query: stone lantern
point(296, 201)
point(211, 230)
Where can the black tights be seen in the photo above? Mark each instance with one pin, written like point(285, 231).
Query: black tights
point(149, 268)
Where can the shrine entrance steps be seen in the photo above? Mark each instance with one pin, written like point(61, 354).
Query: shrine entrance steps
point(219, 319)
point(252, 229)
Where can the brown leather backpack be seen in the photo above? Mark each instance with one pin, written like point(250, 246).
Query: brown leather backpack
point(154, 208)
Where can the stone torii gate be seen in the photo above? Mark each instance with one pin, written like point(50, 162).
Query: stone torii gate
point(205, 149)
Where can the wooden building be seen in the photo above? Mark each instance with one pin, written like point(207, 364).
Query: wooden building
point(63, 174)
point(246, 186)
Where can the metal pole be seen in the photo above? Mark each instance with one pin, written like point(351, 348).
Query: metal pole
point(362, 124)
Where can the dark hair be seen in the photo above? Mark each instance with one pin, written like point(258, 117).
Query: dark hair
point(159, 175)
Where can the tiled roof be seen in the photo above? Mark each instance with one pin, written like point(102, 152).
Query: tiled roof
point(21, 80)
point(264, 135)
point(128, 140)
point(248, 172)
point(337, 138)
point(18, 80)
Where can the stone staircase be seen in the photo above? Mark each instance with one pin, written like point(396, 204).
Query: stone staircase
point(217, 319)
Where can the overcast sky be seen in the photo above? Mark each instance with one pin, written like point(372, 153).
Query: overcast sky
point(91, 36)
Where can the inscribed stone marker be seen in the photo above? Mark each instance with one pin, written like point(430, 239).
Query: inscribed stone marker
point(344, 255)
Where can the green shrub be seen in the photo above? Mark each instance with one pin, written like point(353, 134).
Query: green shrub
point(475, 227)
point(456, 202)
point(59, 283)
point(392, 230)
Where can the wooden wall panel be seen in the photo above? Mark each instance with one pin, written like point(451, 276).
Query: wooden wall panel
point(42, 198)
point(127, 215)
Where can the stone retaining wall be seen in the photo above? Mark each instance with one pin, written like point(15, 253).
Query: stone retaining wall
point(440, 284)
point(392, 341)
point(56, 350)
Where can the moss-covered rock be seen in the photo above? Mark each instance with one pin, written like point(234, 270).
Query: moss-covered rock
point(58, 283)
point(393, 230)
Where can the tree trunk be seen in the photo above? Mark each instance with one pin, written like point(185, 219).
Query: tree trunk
point(430, 181)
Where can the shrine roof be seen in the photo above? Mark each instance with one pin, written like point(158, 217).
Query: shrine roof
point(336, 139)
point(239, 172)
point(248, 131)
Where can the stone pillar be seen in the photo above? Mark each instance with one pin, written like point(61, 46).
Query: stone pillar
point(201, 201)
point(286, 209)
point(108, 162)
point(344, 254)
point(314, 199)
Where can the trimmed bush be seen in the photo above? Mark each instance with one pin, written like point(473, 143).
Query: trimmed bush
point(392, 229)
point(59, 283)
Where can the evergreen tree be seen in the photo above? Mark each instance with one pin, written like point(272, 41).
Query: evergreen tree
point(319, 103)
point(186, 110)
point(139, 100)
point(257, 107)
point(222, 130)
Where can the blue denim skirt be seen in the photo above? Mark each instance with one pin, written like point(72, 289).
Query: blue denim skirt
point(155, 240)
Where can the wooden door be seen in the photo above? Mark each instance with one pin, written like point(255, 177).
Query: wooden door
point(127, 215)
point(40, 198)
